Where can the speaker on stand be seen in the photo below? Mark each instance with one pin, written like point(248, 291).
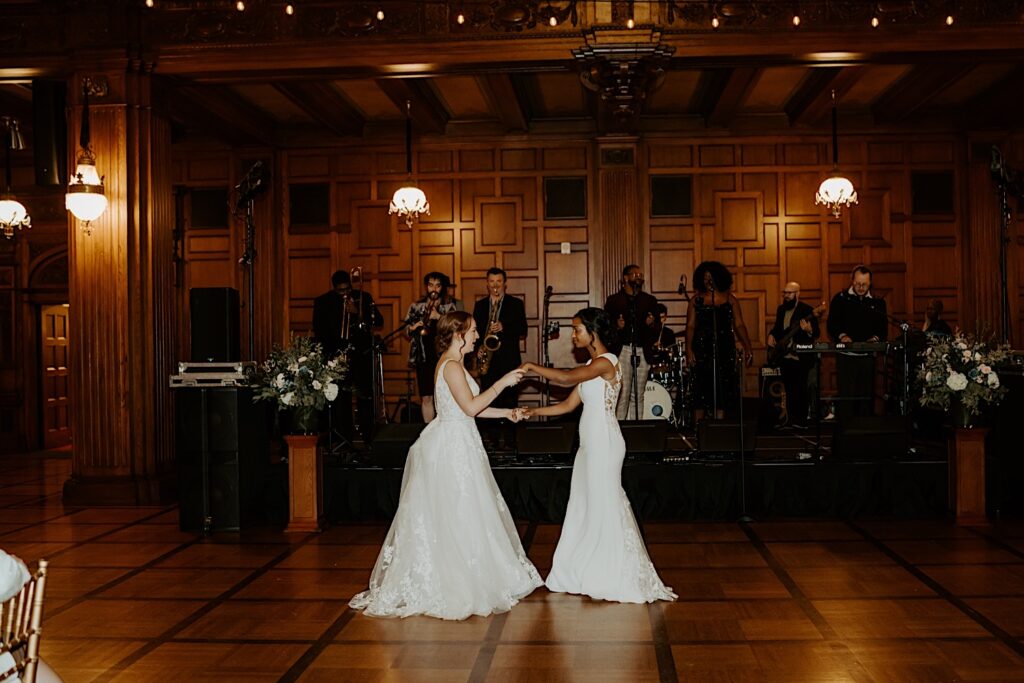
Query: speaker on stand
point(213, 315)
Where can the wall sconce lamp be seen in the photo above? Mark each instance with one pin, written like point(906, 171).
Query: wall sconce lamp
point(85, 198)
point(409, 201)
point(13, 215)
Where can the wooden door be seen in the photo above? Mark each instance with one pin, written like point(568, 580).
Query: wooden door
point(55, 390)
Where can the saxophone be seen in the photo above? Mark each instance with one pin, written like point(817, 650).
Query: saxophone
point(490, 344)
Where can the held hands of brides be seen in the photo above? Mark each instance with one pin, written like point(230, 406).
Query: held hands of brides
point(513, 378)
point(519, 414)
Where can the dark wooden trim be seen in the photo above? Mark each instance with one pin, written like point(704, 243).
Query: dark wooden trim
point(325, 105)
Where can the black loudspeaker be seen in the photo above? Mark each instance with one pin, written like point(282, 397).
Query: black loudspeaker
point(723, 436)
point(392, 443)
point(214, 320)
point(870, 438)
point(552, 440)
point(223, 457)
point(50, 132)
point(644, 437)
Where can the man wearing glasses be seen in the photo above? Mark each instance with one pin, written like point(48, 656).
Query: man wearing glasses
point(795, 323)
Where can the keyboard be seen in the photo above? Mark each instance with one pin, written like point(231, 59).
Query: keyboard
point(850, 347)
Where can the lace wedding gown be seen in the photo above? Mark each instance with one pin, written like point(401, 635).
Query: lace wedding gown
point(600, 552)
point(452, 550)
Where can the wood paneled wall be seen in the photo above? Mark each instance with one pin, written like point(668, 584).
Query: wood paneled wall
point(753, 209)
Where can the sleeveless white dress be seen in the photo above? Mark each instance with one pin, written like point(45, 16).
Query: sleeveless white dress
point(600, 552)
point(452, 550)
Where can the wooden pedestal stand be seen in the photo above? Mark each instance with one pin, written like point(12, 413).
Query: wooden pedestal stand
point(305, 484)
point(967, 475)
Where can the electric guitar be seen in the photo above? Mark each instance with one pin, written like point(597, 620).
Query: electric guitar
point(782, 346)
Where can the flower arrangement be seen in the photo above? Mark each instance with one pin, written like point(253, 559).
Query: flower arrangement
point(298, 377)
point(962, 369)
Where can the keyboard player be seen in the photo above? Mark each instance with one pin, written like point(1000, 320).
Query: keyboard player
point(856, 316)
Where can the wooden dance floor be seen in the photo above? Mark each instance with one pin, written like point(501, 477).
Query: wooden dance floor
point(132, 598)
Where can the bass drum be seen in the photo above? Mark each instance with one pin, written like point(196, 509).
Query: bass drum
point(657, 402)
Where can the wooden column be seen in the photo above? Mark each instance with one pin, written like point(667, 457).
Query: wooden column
point(121, 286)
point(967, 475)
point(305, 484)
point(619, 239)
point(981, 287)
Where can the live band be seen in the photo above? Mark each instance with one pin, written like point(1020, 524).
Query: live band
point(684, 378)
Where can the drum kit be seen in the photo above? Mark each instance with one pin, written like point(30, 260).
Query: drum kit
point(668, 385)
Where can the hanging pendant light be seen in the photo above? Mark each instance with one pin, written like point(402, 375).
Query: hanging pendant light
point(836, 191)
point(13, 215)
point(409, 201)
point(85, 198)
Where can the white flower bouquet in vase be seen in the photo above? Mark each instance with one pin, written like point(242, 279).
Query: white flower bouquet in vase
point(299, 379)
point(959, 375)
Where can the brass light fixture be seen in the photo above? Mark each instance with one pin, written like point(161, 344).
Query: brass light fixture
point(836, 191)
point(409, 201)
point(85, 198)
point(13, 215)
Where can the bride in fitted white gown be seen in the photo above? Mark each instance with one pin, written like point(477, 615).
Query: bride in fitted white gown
point(600, 552)
point(452, 550)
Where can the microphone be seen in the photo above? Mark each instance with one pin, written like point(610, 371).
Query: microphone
point(548, 290)
point(682, 284)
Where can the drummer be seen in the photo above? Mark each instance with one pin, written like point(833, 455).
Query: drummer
point(660, 351)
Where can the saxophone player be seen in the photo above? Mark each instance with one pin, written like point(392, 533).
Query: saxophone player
point(422, 320)
point(501, 320)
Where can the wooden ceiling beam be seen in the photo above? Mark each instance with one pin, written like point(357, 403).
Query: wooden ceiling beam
point(813, 97)
point(503, 99)
point(915, 89)
point(998, 106)
point(730, 97)
point(325, 105)
point(428, 113)
point(235, 117)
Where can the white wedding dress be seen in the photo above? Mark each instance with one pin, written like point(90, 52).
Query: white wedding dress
point(600, 552)
point(452, 550)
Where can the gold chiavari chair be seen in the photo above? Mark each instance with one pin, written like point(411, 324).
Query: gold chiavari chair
point(20, 617)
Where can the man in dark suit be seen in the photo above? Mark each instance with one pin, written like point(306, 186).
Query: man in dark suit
point(329, 317)
point(857, 316)
point(503, 317)
point(795, 323)
point(630, 309)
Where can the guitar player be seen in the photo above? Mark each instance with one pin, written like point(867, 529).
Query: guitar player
point(795, 323)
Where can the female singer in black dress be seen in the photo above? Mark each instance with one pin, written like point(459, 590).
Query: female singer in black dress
point(714, 314)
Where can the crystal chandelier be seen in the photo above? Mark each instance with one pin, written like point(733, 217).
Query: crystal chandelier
point(85, 198)
point(836, 191)
point(409, 201)
point(13, 215)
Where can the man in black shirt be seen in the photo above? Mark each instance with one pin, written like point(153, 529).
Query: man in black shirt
point(629, 309)
point(503, 318)
point(933, 323)
point(856, 316)
point(329, 319)
point(795, 323)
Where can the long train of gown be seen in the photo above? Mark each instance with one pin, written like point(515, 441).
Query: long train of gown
point(600, 552)
point(452, 550)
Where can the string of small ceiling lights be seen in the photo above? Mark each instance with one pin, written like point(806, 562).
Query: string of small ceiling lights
point(716, 22)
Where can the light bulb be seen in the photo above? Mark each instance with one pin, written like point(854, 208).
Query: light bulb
point(796, 20)
point(949, 20)
point(240, 6)
point(461, 19)
point(714, 22)
point(289, 9)
point(874, 22)
point(630, 23)
point(553, 21)
point(149, 3)
point(380, 15)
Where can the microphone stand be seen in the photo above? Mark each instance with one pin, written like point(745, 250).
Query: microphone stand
point(714, 353)
point(545, 352)
point(744, 517)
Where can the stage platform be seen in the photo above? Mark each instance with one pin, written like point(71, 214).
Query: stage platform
point(783, 477)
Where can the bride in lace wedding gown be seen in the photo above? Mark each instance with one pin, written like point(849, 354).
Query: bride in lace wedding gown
point(600, 552)
point(452, 550)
